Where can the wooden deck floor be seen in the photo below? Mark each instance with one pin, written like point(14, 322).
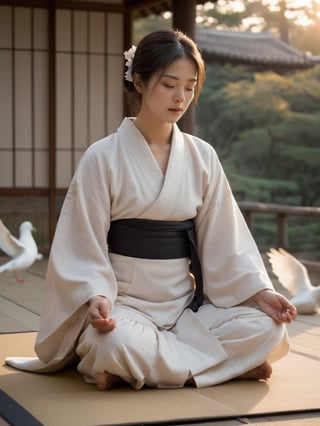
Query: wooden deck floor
point(20, 305)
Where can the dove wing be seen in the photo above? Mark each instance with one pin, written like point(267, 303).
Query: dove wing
point(8, 243)
point(291, 273)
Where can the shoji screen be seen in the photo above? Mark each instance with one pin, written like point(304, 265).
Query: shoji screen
point(24, 141)
point(88, 82)
point(89, 85)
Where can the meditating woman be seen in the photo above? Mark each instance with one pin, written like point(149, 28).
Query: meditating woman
point(154, 278)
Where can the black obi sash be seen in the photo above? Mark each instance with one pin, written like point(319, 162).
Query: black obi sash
point(157, 239)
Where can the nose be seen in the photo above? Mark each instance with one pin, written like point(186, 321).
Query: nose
point(179, 95)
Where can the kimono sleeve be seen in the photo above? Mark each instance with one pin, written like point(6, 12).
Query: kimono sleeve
point(232, 267)
point(79, 266)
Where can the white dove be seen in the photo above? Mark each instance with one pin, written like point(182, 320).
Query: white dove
point(24, 251)
point(293, 275)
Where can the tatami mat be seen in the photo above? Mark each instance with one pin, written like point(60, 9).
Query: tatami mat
point(63, 399)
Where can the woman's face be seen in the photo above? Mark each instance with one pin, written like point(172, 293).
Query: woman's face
point(167, 95)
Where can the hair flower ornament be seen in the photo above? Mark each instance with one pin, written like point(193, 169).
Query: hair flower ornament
point(129, 55)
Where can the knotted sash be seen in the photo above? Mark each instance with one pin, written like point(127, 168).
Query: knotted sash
point(157, 239)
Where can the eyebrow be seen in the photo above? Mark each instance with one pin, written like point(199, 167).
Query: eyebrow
point(176, 78)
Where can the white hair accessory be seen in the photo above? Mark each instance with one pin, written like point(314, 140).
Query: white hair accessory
point(129, 55)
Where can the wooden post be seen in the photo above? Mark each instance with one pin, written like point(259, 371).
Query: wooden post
point(282, 230)
point(184, 19)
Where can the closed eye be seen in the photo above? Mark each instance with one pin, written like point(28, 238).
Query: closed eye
point(169, 86)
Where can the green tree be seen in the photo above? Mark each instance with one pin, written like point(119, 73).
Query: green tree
point(265, 129)
point(143, 26)
point(295, 23)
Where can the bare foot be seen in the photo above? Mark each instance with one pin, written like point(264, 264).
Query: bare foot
point(106, 380)
point(262, 372)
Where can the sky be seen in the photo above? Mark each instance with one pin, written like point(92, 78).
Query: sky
point(294, 11)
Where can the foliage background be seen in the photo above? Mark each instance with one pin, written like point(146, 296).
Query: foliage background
point(265, 129)
point(264, 126)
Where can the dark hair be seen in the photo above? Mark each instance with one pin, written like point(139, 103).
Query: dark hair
point(159, 49)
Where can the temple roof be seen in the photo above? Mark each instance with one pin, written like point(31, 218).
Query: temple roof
point(258, 49)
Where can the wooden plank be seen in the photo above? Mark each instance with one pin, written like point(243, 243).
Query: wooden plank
point(15, 318)
point(27, 294)
point(304, 336)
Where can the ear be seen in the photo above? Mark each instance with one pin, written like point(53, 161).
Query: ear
point(138, 83)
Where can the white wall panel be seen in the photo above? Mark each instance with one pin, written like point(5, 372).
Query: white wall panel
point(77, 157)
point(80, 27)
point(80, 102)
point(41, 169)
point(114, 93)
point(6, 177)
point(63, 30)
point(23, 113)
point(23, 169)
point(40, 29)
point(63, 105)
point(41, 106)
point(22, 28)
point(5, 27)
point(89, 89)
point(115, 34)
point(97, 97)
point(6, 133)
point(63, 168)
point(97, 32)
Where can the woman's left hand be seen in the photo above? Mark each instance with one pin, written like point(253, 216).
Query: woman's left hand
point(275, 305)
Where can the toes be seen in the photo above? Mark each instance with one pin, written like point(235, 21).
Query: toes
point(266, 370)
point(101, 380)
point(105, 380)
point(262, 372)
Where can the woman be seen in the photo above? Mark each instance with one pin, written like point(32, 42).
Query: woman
point(153, 277)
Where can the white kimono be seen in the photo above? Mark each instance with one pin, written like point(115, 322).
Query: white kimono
point(158, 341)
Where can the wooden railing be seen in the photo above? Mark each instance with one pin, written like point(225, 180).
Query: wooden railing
point(282, 212)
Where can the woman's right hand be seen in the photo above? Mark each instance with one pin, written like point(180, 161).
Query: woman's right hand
point(98, 314)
